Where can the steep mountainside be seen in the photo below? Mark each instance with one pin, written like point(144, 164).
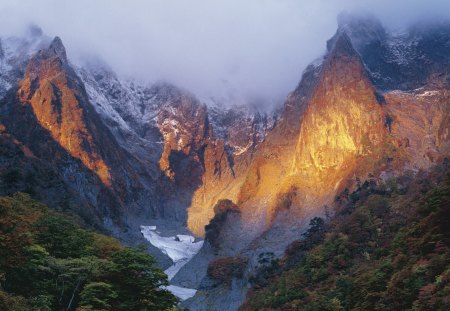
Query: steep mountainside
point(123, 154)
point(49, 112)
point(347, 125)
point(162, 136)
point(342, 126)
point(195, 147)
point(386, 248)
point(51, 91)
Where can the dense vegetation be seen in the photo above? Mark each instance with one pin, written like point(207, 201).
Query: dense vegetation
point(224, 269)
point(387, 247)
point(47, 262)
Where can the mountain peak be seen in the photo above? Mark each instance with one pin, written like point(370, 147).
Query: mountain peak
point(56, 49)
point(361, 28)
point(341, 44)
point(347, 19)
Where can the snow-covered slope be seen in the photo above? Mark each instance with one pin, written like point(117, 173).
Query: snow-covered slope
point(15, 53)
point(127, 107)
point(242, 127)
point(131, 109)
point(180, 248)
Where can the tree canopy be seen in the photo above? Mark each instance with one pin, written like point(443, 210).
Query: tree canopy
point(47, 262)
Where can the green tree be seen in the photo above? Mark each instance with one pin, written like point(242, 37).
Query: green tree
point(98, 295)
point(34, 276)
point(12, 303)
point(139, 282)
point(62, 238)
point(47, 262)
point(71, 274)
point(17, 214)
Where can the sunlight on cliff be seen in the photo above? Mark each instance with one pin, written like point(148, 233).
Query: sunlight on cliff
point(57, 109)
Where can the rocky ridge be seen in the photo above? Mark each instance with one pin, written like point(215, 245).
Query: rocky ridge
point(374, 106)
point(350, 119)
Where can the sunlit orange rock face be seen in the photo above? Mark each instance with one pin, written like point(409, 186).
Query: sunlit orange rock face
point(335, 128)
point(420, 123)
point(55, 100)
point(223, 174)
point(343, 123)
point(218, 182)
point(305, 159)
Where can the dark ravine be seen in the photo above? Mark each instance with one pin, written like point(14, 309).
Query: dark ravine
point(121, 154)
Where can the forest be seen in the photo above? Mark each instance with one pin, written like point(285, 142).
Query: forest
point(48, 262)
point(387, 247)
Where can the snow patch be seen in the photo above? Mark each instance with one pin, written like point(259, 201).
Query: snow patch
point(180, 248)
point(182, 292)
point(429, 93)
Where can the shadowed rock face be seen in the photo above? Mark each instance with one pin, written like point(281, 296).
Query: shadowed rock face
point(225, 211)
point(22, 171)
point(50, 113)
point(375, 103)
point(399, 61)
point(186, 131)
point(191, 155)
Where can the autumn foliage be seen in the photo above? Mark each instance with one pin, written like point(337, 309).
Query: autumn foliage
point(386, 248)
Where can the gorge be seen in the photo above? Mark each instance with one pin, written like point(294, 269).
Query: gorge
point(230, 188)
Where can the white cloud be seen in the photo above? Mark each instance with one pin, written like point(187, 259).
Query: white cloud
point(259, 47)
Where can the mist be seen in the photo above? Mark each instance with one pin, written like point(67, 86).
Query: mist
point(234, 50)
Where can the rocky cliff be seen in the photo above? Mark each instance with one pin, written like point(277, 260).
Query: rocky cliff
point(49, 112)
point(362, 111)
point(373, 106)
point(342, 122)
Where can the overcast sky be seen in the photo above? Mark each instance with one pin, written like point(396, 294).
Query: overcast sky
point(256, 48)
